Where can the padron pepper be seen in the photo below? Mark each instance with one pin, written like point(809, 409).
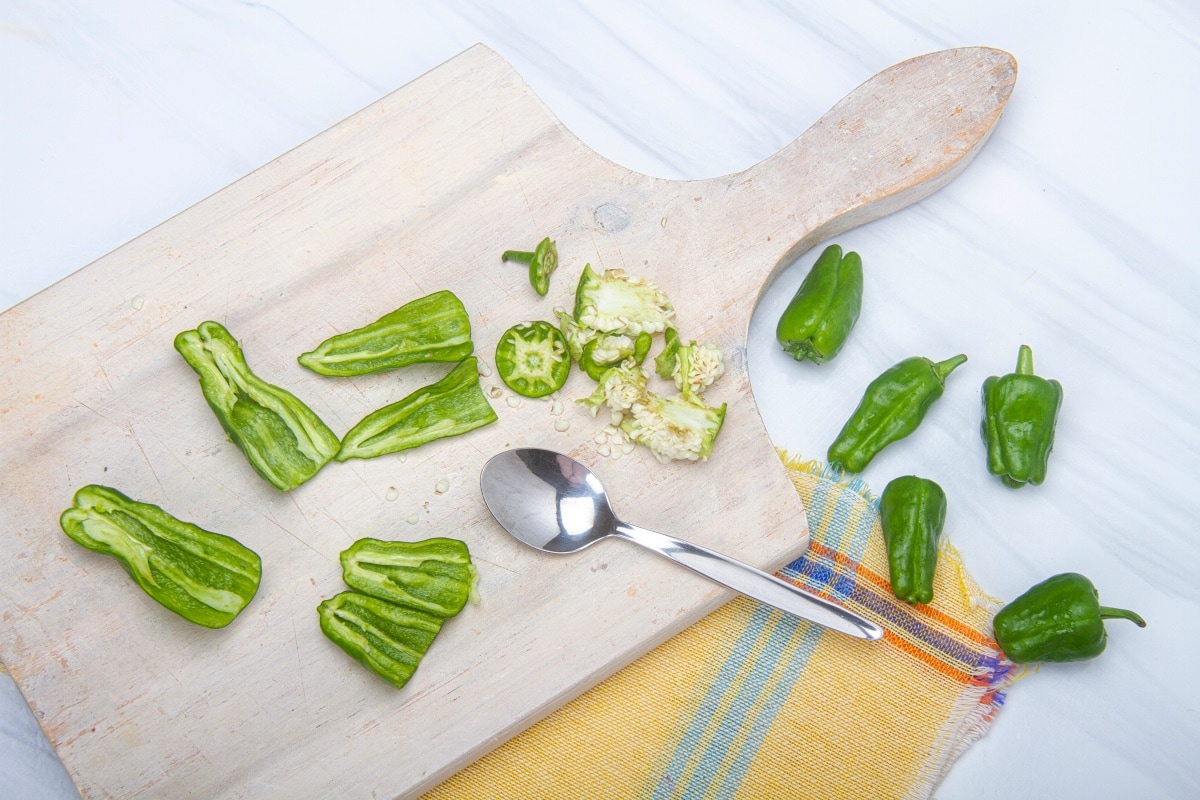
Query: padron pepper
point(912, 512)
point(1059, 619)
point(891, 408)
point(387, 638)
point(451, 406)
point(281, 437)
point(819, 318)
point(435, 576)
point(1020, 411)
point(205, 577)
point(542, 261)
point(431, 328)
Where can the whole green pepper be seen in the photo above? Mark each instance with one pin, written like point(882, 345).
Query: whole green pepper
point(386, 638)
point(1059, 619)
point(818, 320)
point(1020, 411)
point(281, 437)
point(891, 408)
point(431, 328)
point(453, 405)
point(205, 577)
point(435, 575)
point(912, 512)
point(542, 261)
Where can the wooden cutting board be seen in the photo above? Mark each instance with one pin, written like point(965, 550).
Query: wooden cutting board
point(418, 192)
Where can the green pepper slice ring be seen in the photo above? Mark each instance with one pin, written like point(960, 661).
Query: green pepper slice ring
point(532, 359)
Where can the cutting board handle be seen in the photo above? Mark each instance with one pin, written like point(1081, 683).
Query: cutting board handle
point(899, 137)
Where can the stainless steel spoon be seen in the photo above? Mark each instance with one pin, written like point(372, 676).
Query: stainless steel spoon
point(554, 503)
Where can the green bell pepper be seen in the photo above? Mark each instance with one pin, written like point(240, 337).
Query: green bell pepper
point(205, 577)
point(386, 638)
point(912, 512)
point(542, 261)
point(1020, 411)
point(431, 328)
point(1059, 619)
point(435, 575)
point(453, 405)
point(819, 318)
point(891, 408)
point(281, 437)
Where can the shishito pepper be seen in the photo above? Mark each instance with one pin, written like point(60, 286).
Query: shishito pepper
point(282, 438)
point(453, 405)
point(1020, 411)
point(205, 577)
point(891, 408)
point(819, 318)
point(1059, 619)
point(387, 638)
point(912, 512)
point(542, 261)
point(431, 328)
point(435, 575)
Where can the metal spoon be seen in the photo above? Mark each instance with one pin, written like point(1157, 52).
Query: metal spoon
point(554, 503)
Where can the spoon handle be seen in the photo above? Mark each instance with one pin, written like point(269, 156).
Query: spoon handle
point(753, 583)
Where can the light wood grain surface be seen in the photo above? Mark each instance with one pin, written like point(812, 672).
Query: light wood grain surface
point(418, 192)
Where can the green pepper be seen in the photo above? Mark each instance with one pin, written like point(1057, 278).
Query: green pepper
point(1059, 619)
point(281, 437)
point(453, 405)
point(1019, 414)
point(532, 359)
point(891, 408)
point(818, 320)
point(205, 577)
point(435, 575)
point(912, 512)
point(431, 328)
point(605, 351)
point(665, 362)
point(386, 638)
point(542, 261)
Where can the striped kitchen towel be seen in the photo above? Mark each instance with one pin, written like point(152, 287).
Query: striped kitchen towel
point(753, 703)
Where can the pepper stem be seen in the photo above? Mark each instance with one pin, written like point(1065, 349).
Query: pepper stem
point(944, 368)
point(516, 255)
point(1025, 360)
point(1121, 613)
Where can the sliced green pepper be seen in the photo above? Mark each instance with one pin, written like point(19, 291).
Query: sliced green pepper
point(453, 405)
point(1059, 619)
point(532, 359)
point(386, 638)
point(435, 575)
point(1020, 411)
point(542, 261)
point(912, 512)
point(281, 437)
point(431, 328)
point(819, 318)
point(891, 408)
point(606, 351)
point(665, 362)
point(205, 577)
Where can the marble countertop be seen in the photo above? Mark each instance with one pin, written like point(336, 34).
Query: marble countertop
point(1073, 231)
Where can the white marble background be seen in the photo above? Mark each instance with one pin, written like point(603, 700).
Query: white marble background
point(1074, 231)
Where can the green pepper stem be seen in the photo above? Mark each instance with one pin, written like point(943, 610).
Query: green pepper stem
point(944, 368)
point(1121, 613)
point(1025, 360)
point(517, 255)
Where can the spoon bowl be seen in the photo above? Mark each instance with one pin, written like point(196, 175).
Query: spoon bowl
point(553, 503)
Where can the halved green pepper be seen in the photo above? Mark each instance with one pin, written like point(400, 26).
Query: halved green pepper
point(386, 638)
point(435, 575)
point(819, 318)
point(891, 408)
point(431, 328)
point(205, 577)
point(281, 437)
point(453, 405)
point(1020, 411)
point(912, 512)
point(1059, 619)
